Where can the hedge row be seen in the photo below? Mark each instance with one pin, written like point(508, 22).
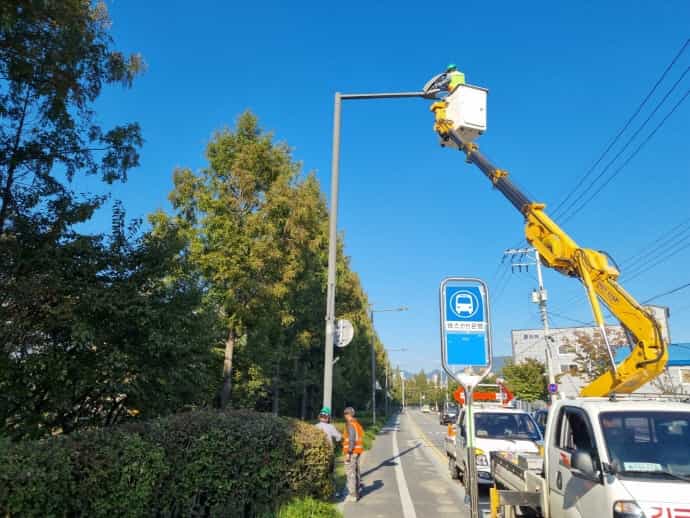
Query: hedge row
point(204, 463)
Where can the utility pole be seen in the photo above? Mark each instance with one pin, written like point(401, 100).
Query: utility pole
point(527, 257)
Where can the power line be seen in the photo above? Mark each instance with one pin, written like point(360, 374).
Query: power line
point(640, 260)
point(630, 157)
point(570, 319)
point(671, 235)
point(674, 290)
point(668, 255)
point(625, 127)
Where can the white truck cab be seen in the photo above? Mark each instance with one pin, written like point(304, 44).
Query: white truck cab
point(619, 459)
point(627, 458)
point(496, 428)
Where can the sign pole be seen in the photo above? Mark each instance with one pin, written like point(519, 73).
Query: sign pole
point(471, 480)
point(466, 343)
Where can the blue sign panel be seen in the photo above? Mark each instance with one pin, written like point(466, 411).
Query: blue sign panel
point(464, 322)
point(553, 388)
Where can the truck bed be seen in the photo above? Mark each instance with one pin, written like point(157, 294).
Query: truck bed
point(520, 476)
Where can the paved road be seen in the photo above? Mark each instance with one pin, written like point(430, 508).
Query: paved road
point(436, 434)
point(405, 474)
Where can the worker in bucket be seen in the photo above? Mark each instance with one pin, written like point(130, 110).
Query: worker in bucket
point(445, 82)
point(452, 78)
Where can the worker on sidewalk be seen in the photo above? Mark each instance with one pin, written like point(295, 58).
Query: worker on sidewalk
point(453, 78)
point(353, 447)
point(326, 427)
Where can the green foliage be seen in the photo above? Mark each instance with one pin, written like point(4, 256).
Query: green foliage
point(202, 463)
point(92, 329)
point(256, 230)
point(89, 474)
point(55, 58)
point(95, 331)
point(527, 380)
point(36, 479)
point(308, 508)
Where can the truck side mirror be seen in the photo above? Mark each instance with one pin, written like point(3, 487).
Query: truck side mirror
point(583, 466)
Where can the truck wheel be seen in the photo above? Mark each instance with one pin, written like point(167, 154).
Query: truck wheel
point(452, 468)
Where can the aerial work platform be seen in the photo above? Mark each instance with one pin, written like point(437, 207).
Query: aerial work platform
point(467, 111)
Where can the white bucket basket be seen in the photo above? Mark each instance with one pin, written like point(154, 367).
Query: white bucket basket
point(467, 109)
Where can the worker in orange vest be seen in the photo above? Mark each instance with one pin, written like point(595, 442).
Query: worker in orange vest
point(353, 447)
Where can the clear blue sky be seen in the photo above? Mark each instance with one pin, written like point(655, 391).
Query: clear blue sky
point(563, 78)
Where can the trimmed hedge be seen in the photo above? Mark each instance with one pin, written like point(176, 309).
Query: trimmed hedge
point(205, 463)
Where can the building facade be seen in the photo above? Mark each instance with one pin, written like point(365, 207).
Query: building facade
point(530, 343)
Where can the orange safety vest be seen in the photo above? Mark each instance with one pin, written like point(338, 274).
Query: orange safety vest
point(359, 432)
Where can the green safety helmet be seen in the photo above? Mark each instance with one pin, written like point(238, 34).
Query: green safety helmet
point(450, 67)
point(325, 411)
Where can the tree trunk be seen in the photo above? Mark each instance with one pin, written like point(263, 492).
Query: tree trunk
point(305, 395)
point(226, 389)
point(6, 197)
point(276, 389)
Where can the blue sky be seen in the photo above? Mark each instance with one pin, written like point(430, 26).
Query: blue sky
point(563, 78)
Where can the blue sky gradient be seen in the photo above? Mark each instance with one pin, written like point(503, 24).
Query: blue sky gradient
point(563, 78)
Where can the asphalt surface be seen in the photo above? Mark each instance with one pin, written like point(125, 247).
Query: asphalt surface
point(405, 474)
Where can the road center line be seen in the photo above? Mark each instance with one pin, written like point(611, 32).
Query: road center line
point(405, 500)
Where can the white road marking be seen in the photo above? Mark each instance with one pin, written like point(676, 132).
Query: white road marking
point(405, 499)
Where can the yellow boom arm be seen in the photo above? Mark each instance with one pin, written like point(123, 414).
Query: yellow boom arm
point(560, 252)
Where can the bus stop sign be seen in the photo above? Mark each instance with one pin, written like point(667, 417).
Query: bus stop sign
point(465, 326)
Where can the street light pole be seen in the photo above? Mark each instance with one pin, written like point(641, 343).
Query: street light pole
point(373, 355)
point(386, 395)
point(402, 377)
point(373, 369)
point(333, 230)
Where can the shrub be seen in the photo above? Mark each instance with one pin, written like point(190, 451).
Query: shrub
point(115, 473)
point(238, 463)
point(35, 479)
point(311, 464)
point(202, 463)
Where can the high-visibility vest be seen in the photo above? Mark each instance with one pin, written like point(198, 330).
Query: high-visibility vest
point(359, 432)
point(456, 78)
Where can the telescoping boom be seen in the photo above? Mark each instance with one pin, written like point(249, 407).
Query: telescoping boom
point(559, 251)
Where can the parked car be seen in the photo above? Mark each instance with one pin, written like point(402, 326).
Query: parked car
point(448, 414)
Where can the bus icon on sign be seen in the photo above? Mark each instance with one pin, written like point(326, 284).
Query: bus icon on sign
point(464, 304)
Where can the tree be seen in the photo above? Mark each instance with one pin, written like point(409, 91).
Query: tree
point(527, 380)
point(95, 330)
point(55, 58)
point(666, 384)
point(256, 230)
point(216, 212)
point(591, 354)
